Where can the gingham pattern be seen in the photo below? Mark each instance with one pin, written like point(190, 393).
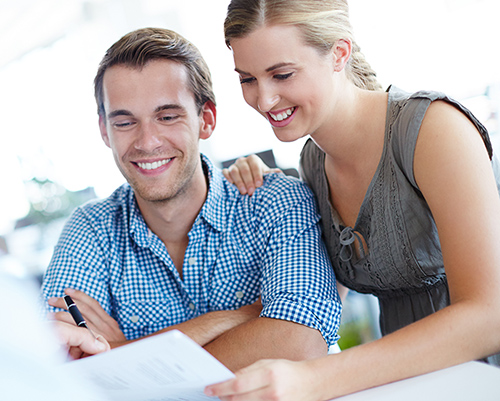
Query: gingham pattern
point(239, 247)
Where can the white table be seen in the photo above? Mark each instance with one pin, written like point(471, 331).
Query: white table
point(471, 381)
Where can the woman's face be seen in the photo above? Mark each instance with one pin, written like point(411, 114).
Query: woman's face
point(285, 80)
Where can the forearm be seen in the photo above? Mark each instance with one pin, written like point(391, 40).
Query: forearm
point(456, 334)
point(201, 329)
point(263, 338)
point(205, 328)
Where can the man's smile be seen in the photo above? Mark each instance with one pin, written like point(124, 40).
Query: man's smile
point(153, 165)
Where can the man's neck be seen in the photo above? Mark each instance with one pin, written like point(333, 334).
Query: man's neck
point(171, 220)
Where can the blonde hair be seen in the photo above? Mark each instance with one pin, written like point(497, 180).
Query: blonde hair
point(322, 23)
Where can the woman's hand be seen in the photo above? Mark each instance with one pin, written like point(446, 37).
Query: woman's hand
point(247, 173)
point(270, 380)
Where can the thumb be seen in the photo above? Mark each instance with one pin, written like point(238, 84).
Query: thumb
point(101, 345)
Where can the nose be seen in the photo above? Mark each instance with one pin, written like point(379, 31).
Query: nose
point(148, 138)
point(267, 99)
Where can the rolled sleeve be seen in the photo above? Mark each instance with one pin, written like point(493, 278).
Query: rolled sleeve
point(320, 314)
point(298, 282)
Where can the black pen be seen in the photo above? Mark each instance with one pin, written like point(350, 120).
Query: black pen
point(75, 313)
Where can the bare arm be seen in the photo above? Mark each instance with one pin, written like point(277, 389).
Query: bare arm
point(237, 338)
point(267, 338)
point(466, 207)
point(201, 329)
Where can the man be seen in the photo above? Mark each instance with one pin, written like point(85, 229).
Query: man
point(178, 246)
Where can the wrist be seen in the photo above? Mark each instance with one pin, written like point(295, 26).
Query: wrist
point(318, 378)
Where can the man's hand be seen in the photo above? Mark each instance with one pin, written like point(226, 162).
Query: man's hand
point(79, 341)
point(95, 316)
point(202, 329)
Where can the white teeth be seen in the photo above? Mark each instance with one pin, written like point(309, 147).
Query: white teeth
point(154, 165)
point(282, 116)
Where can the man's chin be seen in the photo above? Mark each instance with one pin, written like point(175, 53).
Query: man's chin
point(153, 198)
point(151, 194)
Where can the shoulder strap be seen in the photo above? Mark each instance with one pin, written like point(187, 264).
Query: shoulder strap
point(407, 113)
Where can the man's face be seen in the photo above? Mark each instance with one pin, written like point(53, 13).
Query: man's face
point(153, 126)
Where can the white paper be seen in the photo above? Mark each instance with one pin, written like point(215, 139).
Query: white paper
point(168, 366)
point(471, 381)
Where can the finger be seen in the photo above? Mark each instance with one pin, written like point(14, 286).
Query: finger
point(97, 318)
point(90, 308)
point(257, 395)
point(75, 353)
point(83, 298)
point(247, 167)
point(64, 317)
point(226, 174)
point(57, 302)
point(247, 380)
point(79, 337)
point(258, 169)
point(236, 179)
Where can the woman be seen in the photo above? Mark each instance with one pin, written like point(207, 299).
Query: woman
point(407, 189)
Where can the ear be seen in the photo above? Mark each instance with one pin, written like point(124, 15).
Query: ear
point(104, 130)
point(208, 118)
point(341, 53)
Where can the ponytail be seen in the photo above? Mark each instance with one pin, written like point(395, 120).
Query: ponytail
point(360, 72)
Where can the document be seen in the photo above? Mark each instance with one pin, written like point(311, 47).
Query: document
point(469, 381)
point(165, 367)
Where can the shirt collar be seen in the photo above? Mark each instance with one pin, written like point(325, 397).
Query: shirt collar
point(214, 210)
point(139, 230)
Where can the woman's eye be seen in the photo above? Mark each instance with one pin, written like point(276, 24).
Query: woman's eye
point(246, 80)
point(283, 76)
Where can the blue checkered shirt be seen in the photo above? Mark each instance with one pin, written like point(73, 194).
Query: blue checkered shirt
point(240, 247)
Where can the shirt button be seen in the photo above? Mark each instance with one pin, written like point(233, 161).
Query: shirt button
point(192, 261)
point(239, 294)
point(191, 306)
point(134, 319)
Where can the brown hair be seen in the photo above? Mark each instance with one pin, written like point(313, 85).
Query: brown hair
point(137, 48)
point(322, 23)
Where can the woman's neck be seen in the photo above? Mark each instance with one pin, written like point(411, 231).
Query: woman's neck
point(355, 128)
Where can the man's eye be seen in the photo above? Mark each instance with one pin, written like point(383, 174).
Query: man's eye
point(168, 118)
point(283, 76)
point(122, 124)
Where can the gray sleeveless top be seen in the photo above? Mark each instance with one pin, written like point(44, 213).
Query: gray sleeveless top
point(403, 265)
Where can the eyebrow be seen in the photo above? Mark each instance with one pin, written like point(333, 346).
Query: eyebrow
point(117, 113)
point(172, 106)
point(279, 65)
point(269, 69)
point(122, 112)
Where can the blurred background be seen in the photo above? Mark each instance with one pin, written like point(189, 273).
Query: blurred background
point(52, 157)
